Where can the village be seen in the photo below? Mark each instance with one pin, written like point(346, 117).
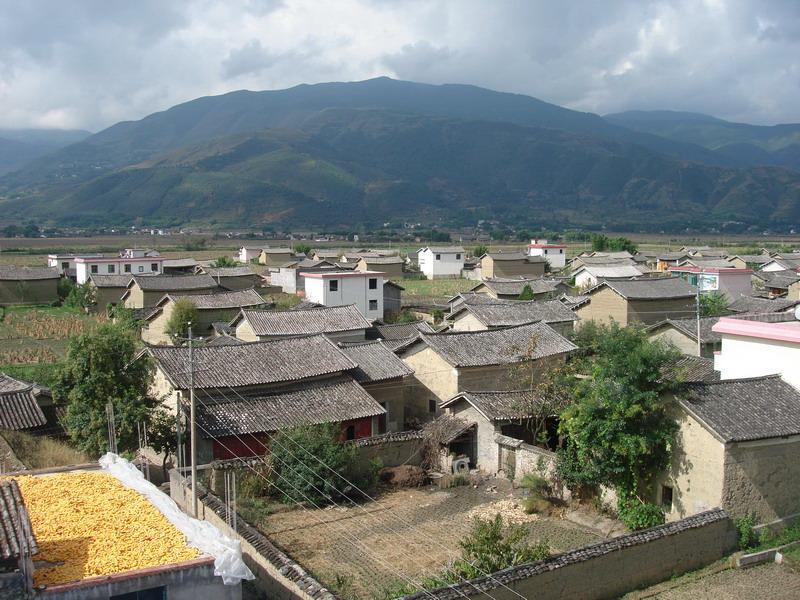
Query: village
point(285, 421)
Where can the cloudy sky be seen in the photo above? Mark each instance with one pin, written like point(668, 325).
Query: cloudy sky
point(91, 63)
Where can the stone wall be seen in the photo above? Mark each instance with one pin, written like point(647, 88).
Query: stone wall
point(609, 568)
point(393, 449)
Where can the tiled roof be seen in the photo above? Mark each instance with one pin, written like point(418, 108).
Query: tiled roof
point(221, 300)
point(397, 331)
point(398, 344)
point(277, 250)
point(305, 305)
point(701, 261)
point(611, 271)
point(605, 261)
point(572, 302)
point(756, 259)
point(111, 281)
point(15, 273)
point(752, 304)
point(327, 401)
point(507, 287)
point(650, 289)
point(16, 534)
point(670, 256)
point(384, 260)
point(689, 327)
point(254, 363)
point(19, 408)
point(691, 369)
point(375, 362)
point(778, 279)
point(177, 263)
point(446, 428)
point(502, 256)
point(738, 410)
point(229, 271)
point(224, 340)
point(497, 346)
point(498, 405)
point(174, 283)
point(503, 313)
point(326, 319)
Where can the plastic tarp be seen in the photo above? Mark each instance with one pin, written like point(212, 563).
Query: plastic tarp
point(227, 552)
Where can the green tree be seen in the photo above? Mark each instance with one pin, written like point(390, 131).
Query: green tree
point(713, 304)
point(526, 293)
point(308, 461)
point(479, 251)
point(183, 314)
point(618, 244)
point(599, 242)
point(224, 261)
point(102, 367)
point(65, 286)
point(80, 296)
point(162, 435)
point(303, 249)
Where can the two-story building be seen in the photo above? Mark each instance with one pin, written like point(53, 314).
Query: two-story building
point(364, 289)
point(441, 262)
point(730, 282)
point(555, 254)
point(85, 266)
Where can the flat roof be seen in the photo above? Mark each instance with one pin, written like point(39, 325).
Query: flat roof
point(83, 259)
point(338, 274)
point(781, 332)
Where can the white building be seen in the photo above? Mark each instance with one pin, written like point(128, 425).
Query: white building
point(438, 262)
point(362, 288)
point(116, 265)
point(248, 253)
point(556, 254)
point(65, 263)
point(753, 349)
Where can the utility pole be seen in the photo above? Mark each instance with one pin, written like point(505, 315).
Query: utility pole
point(192, 423)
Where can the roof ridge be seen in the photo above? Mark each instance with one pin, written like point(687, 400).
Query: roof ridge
point(736, 380)
point(493, 330)
point(305, 310)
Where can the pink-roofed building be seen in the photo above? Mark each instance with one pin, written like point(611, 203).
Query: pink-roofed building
point(730, 282)
point(753, 349)
point(555, 254)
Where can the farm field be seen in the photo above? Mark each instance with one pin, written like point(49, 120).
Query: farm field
point(436, 291)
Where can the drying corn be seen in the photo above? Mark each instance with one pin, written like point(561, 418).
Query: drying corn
point(89, 524)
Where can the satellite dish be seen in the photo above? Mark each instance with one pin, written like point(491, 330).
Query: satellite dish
point(797, 312)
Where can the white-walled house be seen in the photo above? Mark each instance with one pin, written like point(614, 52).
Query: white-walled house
point(754, 349)
point(86, 266)
point(438, 262)
point(340, 288)
point(556, 254)
point(247, 254)
point(65, 263)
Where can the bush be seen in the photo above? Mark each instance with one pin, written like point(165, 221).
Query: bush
point(80, 296)
point(459, 481)
point(183, 313)
point(745, 529)
point(224, 261)
point(637, 514)
point(526, 293)
point(65, 286)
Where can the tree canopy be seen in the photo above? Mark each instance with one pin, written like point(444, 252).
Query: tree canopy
point(713, 304)
point(602, 243)
point(526, 293)
point(224, 261)
point(183, 313)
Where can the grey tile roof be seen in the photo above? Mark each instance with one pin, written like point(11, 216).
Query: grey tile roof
point(384, 260)
point(224, 340)
point(778, 279)
point(605, 261)
point(446, 428)
point(15, 273)
point(691, 369)
point(398, 344)
point(375, 362)
point(497, 346)
point(220, 300)
point(650, 289)
point(305, 305)
point(503, 313)
point(509, 256)
point(16, 533)
point(398, 331)
point(277, 250)
point(111, 281)
point(611, 271)
point(738, 410)
point(756, 259)
point(254, 363)
point(689, 327)
point(752, 304)
point(229, 271)
point(672, 256)
point(326, 319)
point(174, 283)
point(19, 408)
point(498, 405)
point(572, 302)
point(177, 263)
point(705, 262)
point(507, 287)
point(788, 263)
point(327, 401)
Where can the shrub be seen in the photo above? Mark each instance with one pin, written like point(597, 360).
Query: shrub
point(459, 481)
point(224, 261)
point(183, 313)
point(745, 529)
point(526, 293)
point(637, 514)
point(65, 286)
point(80, 296)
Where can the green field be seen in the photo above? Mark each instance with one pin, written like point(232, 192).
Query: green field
point(440, 289)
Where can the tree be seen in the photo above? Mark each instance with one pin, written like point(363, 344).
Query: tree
point(713, 304)
point(65, 286)
point(303, 249)
point(184, 312)
point(599, 242)
point(224, 261)
point(526, 293)
point(162, 435)
point(480, 250)
point(602, 243)
point(80, 296)
point(310, 462)
point(102, 367)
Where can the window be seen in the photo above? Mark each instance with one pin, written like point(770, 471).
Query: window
point(93, 268)
point(65, 265)
point(458, 257)
point(159, 593)
point(431, 406)
point(561, 251)
point(141, 269)
point(666, 498)
point(127, 268)
point(112, 268)
point(438, 257)
point(373, 283)
point(154, 267)
point(373, 305)
point(350, 432)
point(333, 285)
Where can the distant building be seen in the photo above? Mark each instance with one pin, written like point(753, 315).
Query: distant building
point(233, 278)
point(392, 299)
point(362, 288)
point(339, 323)
point(65, 263)
point(479, 312)
point(248, 254)
point(179, 266)
point(275, 256)
point(108, 289)
point(588, 276)
point(441, 262)
point(730, 282)
point(555, 254)
point(145, 292)
point(28, 285)
point(644, 301)
point(512, 264)
point(511, 288)
point(392, 266)
point(117, 265)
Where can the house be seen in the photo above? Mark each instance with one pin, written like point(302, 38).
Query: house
point(18, 544)
point(248, 254)
point(114, 535)
point(131, 261)
point(644, 301)
point(25, 406)
point(246, 392)
point(754, 304)
point(340, 323)
point(386, 378)
point(392, 266)
point(211, 308)
point(107, 290)
point(476, 314)
point(753, 349)
point(179, 266)
point(392, 299)
point(331, 256)
point(445, 364)
point(749, 261)
point(397, 335)
point(145, 292)
point(357, 256)
point(588, 276)
point(65, 263)
point(364, 289)
point(737, 448)
point(782, 264)
point(780, 284)
point(28, 285)
point(512, 264)
point(555, 254)
point(275, 256)
point(511, 288)
point(729, 282)
point(670, 259)
point(233, 278)
point(602, 260)
point(441, 262)
point(495, 415)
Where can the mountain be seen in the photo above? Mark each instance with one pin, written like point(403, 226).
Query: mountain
point(344, 166)
point(20, 146)
point(776, 145)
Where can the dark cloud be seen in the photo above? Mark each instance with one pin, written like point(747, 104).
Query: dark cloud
point(94, 62)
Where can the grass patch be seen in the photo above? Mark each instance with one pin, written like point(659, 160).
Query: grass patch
point(283, 301)
point(42, 373)
point(43, 452)
point(436, 288)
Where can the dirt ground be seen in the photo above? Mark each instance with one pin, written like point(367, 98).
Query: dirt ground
point(412, 532)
